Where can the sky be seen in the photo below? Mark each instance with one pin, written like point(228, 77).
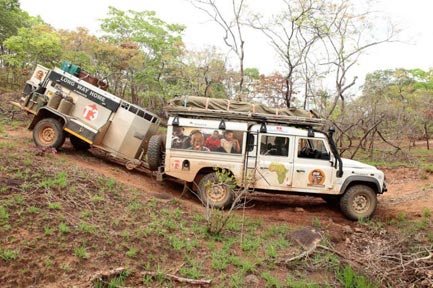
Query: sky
point(413, 17)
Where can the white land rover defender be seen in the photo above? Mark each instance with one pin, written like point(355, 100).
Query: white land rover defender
point(261, 149)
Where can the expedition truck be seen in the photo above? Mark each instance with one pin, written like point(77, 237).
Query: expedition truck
point(217, 147)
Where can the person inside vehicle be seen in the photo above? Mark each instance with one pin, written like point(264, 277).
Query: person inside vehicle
point(213, 141)
point(229, 143)
point(197, 141)
point(281, 146)
point(179, 140)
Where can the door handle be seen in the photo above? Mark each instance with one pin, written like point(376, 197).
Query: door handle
point(300, 171)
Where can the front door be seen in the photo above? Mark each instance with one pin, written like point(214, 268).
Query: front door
point(275, 163)
point(312, 170)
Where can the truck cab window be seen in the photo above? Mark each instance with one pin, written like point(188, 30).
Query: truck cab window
point(312, 149)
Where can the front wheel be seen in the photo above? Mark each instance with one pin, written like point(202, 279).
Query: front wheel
point(359, 202)
point(48, 133)
point(216, 192)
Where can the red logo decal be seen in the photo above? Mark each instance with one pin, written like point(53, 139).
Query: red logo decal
point(90, 112)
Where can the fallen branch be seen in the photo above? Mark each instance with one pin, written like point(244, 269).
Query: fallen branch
point(177, 278)
point(306, 253)
point(103, 275)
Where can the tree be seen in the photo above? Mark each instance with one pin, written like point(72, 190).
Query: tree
point(149, 51)
point(11, 19)
point(38, 44)
point(350, 33)
point(293, 33)
point(232, 27)
point(205, 72)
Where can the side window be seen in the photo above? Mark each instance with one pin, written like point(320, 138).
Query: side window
point(208, 140)
point(274, 145)
point(312, 149)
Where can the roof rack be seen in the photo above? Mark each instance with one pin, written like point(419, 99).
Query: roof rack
point(200, 107)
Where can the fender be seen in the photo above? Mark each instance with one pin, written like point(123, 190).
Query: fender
point(47, 112)
point(361, 180)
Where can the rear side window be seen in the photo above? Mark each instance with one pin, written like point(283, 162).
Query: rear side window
point(207, 140)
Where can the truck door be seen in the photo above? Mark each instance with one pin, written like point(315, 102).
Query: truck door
point(312, 169)
point(275, 162)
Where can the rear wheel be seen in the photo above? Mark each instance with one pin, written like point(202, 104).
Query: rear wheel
point(359, 202)
point(48, 133)
point(215, 192)
point(79, 144)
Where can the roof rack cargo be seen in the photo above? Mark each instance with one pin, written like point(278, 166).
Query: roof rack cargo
point(195, 106)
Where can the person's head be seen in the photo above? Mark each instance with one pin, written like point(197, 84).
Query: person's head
point(279, 141)
point(228, 135)
point(177, 131)
point(216, 134)
point(197, 140)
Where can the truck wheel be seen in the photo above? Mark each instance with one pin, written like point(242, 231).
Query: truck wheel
point(79, 144)
point(359, 202)
point(48, 133)
point(214, 192)
point(155, 152)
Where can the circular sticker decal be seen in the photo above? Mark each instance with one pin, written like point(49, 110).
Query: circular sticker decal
point(90, 112)
point(316, 177)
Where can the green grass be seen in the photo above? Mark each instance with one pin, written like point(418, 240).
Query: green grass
point(59, 182)
point(301, 283)
point(348, 278)
point(9, 254)
point(64, 228)
point(55, 206)
point(4, 215)
point(87, 228)
point(81, 252)
point(192, 269)
point(48, 231)
point(220, 259)
point(33, 210)
point(271, 281)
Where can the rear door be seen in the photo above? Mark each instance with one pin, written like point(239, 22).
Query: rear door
point(275, 162)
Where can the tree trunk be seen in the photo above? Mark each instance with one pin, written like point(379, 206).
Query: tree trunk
point(372, 144)
point(427, 136)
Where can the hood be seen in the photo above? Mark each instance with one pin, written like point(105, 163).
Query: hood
point(349, 163)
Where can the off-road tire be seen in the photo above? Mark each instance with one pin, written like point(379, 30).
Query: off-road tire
point(213, 193)
point(155, 151)
point(359, 202)
point(79, 144)
point(48, 133)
